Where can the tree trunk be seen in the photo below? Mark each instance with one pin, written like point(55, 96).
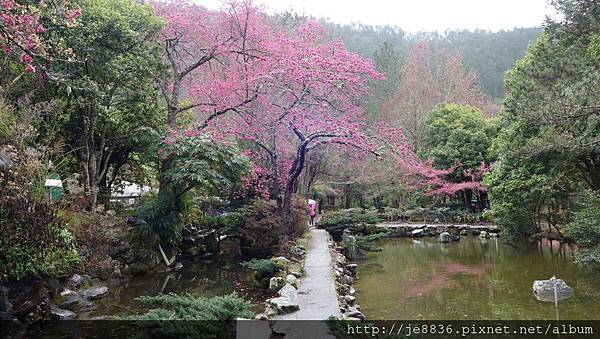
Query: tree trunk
point(468, 197)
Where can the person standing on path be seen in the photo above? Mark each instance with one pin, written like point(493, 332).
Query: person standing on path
point(312, 205)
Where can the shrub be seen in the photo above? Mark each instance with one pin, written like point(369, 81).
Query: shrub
point(263, 230)
point(364, 241)
point(354, 218)
point(33, 240)
point(264, 267)
point(585, 228)
point(219, 310)
point(187, 307)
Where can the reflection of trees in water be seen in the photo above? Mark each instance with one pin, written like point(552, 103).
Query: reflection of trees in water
point(424, 279)
point(372, 268)
point(556, 249)
point(444, 277)
point(196, 277)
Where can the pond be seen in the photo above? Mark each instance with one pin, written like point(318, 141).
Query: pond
point(471, 279)
point(197, 277)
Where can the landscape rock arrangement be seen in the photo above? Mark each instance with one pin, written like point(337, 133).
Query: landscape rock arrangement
point(32, 302)
point(285, 282)
point(345, 273)
point(424, 230)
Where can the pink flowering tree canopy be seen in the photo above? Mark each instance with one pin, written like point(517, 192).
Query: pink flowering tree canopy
point(22, 28)
point(208, 53)
point(309, 97)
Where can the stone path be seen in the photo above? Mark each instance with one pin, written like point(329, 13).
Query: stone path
point(317, 296)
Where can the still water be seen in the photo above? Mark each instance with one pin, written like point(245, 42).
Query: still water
point(199, 278)
point(471, 279)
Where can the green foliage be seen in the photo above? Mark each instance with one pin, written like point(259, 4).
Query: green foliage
point(107, 102)
point(204, 317)
point(431, 214)
point(458, 133)
point(364, 241)
point(350, 216)
point(388, 61)
point(33, 240)
point(264, 267)
point(188, 307)
point(585, 228)
point(197, 166)
point(357, 220)
point(550, 125)
point(489, 54)
point(518, 190)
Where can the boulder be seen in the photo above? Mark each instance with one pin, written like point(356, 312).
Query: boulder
point(75, 281)
point(417, 233)
point(351, 318)
point(352, 251)
point(288, 291)
point(287, 300)
point(543, 290)
point(455, 238)
point(60, 314)
point(67, 299)
point(212, 242)
point(431, 230)
point(292, 280)
point(483, 234)
point(261, 316)
point(350, 299)
point(296, 274)
point(354, 313)
point(352, 268)
point(283, 305)
point(275, 283)
point(445, 237)
point(96, 292)
point(464, 232)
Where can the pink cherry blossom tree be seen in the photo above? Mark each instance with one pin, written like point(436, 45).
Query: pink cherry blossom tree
point(208, 54)
point(420, 174)
point(21, 28)
point(310, 92)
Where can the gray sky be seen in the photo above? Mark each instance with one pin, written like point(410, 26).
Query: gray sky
point(418, 15)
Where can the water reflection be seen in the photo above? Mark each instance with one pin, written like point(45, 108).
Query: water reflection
point(471, 279)
point(196, 277)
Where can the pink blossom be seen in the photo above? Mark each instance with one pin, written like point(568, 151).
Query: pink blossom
point(30, 68)
point(26, 58)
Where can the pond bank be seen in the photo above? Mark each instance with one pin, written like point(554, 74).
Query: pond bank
point(423, 229)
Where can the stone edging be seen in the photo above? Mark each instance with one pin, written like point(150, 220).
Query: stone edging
point(344, 273)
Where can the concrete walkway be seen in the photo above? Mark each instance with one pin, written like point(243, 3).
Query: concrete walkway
point(316, 293)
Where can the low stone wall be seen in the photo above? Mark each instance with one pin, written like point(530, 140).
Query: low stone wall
point(345, 273)
point(422, 230)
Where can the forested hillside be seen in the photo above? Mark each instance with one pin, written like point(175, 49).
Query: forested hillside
point(489, 54)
